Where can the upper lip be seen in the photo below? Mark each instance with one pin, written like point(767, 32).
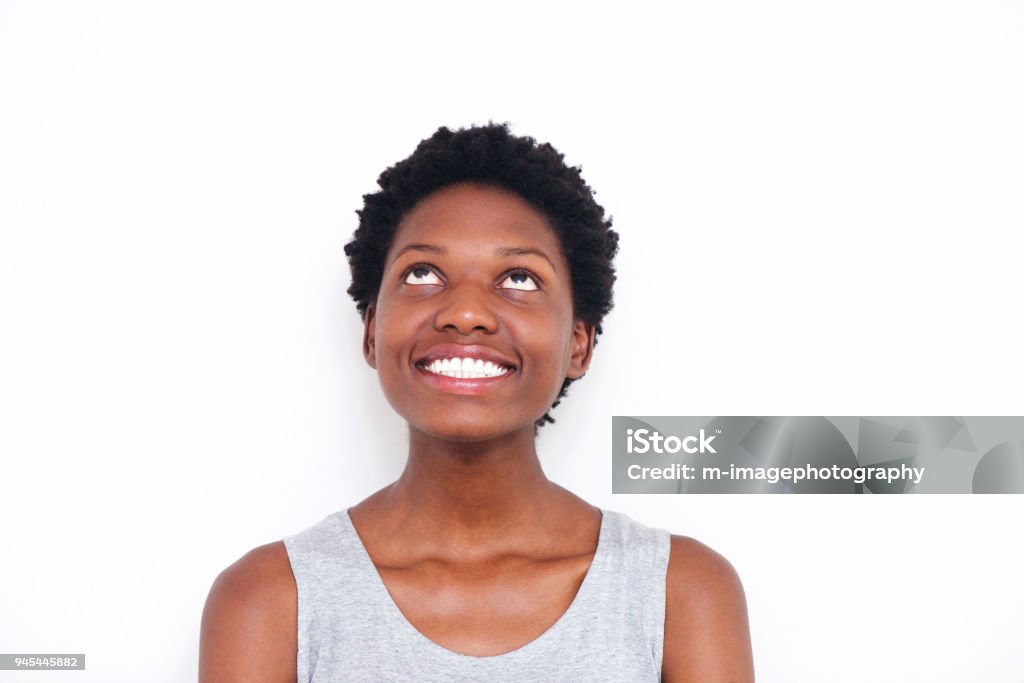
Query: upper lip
point(474, 351)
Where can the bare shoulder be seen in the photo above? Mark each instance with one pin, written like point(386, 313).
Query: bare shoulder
point(249, 623)
point(707, 634)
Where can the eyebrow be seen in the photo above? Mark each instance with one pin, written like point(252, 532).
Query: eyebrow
point(429, 248)
point(523, 251)
point(500, 251)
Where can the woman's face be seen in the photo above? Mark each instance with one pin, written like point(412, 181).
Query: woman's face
point(472, 333)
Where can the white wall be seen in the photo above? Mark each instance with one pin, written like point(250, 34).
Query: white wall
point(819, 206)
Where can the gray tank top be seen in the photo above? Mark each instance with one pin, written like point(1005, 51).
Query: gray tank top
point(349, 628)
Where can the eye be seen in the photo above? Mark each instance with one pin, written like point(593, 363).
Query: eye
point(421, 275)
point(520, 280)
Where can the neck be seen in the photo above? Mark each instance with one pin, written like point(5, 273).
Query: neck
point(472, 489)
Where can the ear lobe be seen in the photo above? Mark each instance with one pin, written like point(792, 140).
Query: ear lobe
point(582, 349)
point(370, 336)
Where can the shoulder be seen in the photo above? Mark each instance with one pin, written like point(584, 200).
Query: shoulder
point(707, 636)
point(249, 622)
point(697, 572)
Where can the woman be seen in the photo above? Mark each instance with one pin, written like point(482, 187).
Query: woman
point(482, 269)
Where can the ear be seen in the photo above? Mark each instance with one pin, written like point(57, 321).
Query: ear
point(582, 349)
point(369, 336)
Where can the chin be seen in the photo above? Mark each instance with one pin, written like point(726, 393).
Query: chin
point(469, 430)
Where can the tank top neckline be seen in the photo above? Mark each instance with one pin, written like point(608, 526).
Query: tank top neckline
point(383, 596)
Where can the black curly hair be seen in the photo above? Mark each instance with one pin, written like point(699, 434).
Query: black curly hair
point(492, 155)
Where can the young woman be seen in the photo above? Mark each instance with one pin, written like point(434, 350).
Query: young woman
point(482, 270)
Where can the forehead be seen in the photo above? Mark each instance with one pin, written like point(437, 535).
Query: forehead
point(471, 218)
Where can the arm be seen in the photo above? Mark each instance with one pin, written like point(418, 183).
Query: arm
point(248, 631)
point(707, 637)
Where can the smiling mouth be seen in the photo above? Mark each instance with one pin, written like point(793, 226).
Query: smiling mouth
point(464, 368)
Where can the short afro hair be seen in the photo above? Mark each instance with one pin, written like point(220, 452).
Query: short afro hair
point(491, 155)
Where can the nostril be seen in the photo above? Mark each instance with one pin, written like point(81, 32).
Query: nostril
point(466, 315)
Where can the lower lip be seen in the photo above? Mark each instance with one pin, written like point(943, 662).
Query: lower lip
point(463, 385)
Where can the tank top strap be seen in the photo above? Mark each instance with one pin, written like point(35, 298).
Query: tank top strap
point(342, 603)
point(632, 580)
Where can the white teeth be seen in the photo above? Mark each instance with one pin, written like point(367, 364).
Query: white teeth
point(465, 368)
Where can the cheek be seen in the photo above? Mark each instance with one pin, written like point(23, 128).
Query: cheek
point(551, 344)
point(392, 328)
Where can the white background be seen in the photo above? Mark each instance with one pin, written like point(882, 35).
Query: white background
point(819, 205)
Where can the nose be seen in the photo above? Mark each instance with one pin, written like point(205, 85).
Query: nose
point(465, 309)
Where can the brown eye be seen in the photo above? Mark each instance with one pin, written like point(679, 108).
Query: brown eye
point(519, 280)
point(422, 275)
